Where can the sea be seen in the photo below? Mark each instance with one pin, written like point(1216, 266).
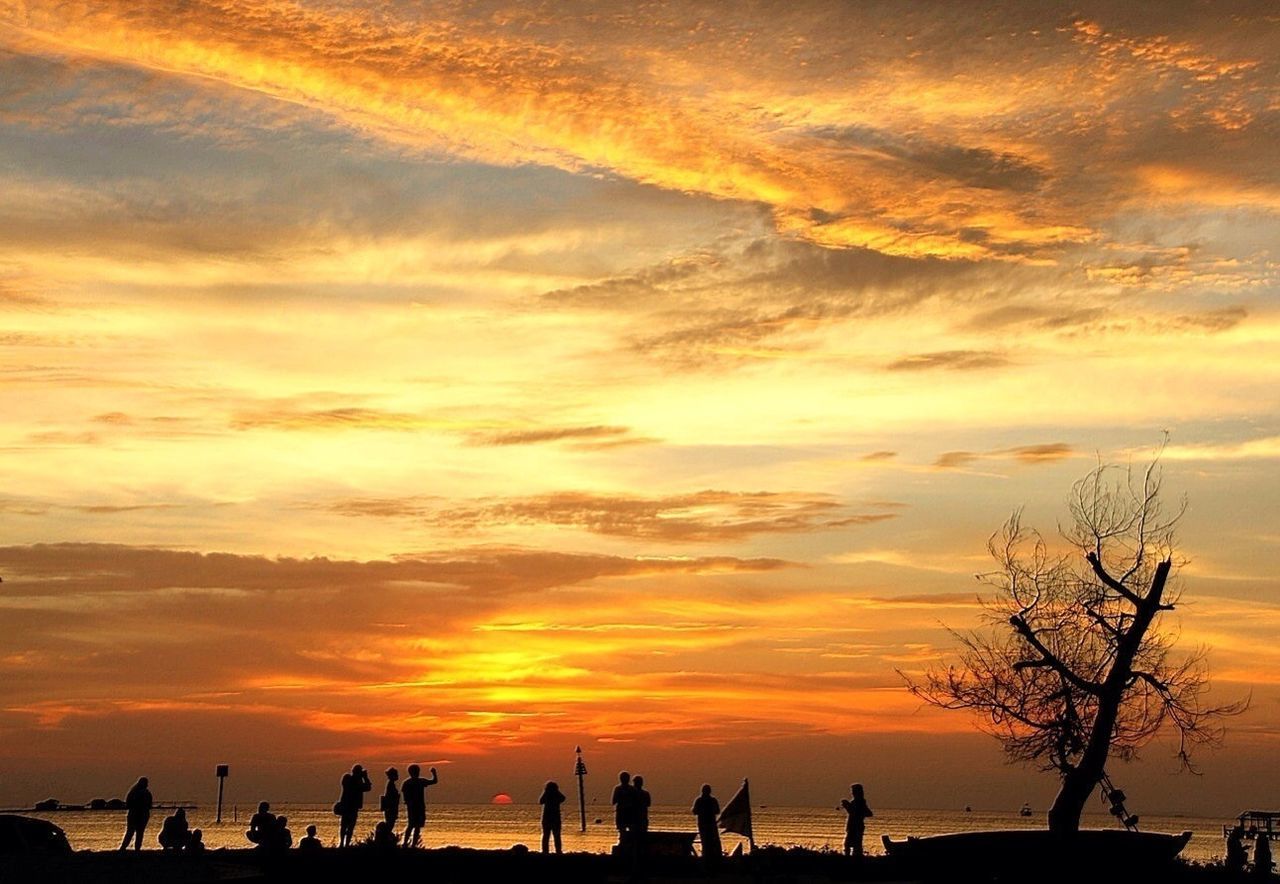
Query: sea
point(503, 826)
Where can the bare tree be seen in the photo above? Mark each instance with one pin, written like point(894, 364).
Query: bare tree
point(1072, 668)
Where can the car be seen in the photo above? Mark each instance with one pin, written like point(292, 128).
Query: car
point(24, 834)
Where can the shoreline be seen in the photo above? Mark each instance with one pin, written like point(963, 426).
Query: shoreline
point(766, 865)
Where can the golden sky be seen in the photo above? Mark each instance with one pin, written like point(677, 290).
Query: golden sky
point(458, 382)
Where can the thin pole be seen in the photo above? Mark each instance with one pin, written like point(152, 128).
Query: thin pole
point(580, 771)
point(221, 772)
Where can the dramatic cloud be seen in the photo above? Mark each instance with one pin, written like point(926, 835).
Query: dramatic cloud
point(629, 374)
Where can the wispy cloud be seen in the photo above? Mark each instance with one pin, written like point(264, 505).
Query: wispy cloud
point(1030, 455)
point(951, 360)
point(702, 517)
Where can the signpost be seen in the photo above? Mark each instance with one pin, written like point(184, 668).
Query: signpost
point(580, 771)
point(222, 771)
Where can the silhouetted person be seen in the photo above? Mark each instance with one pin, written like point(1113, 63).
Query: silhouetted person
point(643, 802)
point(624, 806)
point(310, 843)
point(855, 827)
point(282, 838)
point(415, 804)
point(391, 798)
point(261, 825)
point(195, 844)
point(1262, 856)
point(174, 832)
point(707, 811)
point(384, 838)
point(138, 813)
point(551, 799)
point(1237, 855)
point(354, 785)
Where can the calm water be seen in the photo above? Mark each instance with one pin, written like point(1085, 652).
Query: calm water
point(489, 826)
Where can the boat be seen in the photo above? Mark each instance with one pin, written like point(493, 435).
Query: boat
point(1029, 850)
point(24, 834)
point(1025, 810)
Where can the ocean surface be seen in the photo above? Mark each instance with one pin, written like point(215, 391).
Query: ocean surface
point(501, 826)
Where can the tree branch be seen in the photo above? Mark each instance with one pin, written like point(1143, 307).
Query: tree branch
point(1048, 658)
point(1096, 564)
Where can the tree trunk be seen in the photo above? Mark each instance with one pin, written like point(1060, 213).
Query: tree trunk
point(1068, 805)
point(1079, 782)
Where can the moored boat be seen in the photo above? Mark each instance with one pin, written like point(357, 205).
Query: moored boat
point(1030, 850)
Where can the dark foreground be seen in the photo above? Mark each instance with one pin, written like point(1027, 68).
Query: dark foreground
point(466, 866)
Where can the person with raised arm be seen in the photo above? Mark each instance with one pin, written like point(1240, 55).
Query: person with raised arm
point(414, 792)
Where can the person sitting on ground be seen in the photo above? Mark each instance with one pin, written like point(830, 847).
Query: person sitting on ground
point(282, 838)
point(384, 837)
point(195, 844)
point(310, 842)
point(174, 833)
point(261, 825)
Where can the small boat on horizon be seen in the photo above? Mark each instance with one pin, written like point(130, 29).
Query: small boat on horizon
point(1025, 810)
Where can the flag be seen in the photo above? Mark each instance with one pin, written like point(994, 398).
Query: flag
point(736, 816)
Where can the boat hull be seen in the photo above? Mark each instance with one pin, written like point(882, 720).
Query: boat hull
point(1029, 850)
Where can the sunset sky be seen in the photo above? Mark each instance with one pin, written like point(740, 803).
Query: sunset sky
point(460, 382)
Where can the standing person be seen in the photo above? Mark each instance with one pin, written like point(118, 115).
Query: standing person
point(551, 800)
point(1237, 856)
point(415, 804)
point(354, 785)
point(624, 806)
point(1262, 856)
point(858, 812)
point(707, 810)
point(138, 806)
point(391, 799)
point(643, 801)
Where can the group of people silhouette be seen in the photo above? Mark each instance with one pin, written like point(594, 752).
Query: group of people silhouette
point(268, 831)
point(631, 802)
point(1237, 857)
point(412, 794)
point(271, 832)
point(175, 832)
